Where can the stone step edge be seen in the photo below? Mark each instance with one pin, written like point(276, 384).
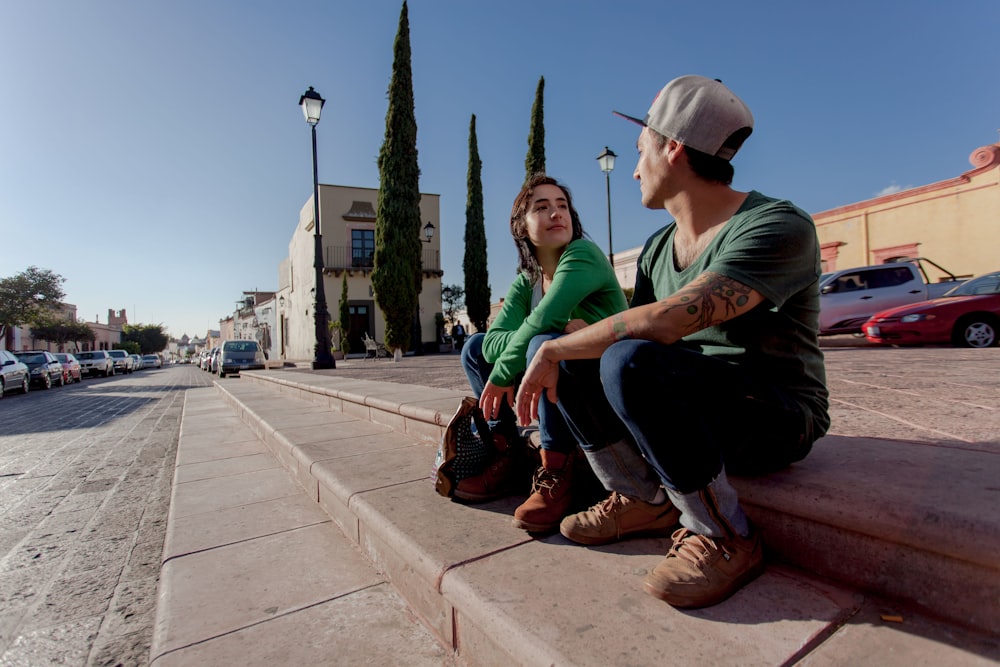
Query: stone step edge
point(831, 545)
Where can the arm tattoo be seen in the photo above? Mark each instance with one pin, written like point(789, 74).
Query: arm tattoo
point(710, 301)
point(619, 329)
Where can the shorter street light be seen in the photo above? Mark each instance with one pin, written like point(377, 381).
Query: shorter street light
point(607, 162)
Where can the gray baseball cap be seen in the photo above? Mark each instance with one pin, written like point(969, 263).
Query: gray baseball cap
point(700, 113)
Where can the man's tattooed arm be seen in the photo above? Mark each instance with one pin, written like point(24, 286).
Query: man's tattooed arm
point(709, 300)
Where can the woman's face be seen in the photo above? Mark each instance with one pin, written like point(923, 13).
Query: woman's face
point(548, 220)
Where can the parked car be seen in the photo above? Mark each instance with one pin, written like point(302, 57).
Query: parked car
point(44, 369)
point(96, 362)
point(240, 355)
point(213, 360)
point(71, 367)
point(136, 361)
point(14, 375)
point(123, 361)
point(848, 298)
point(151, 361)
point(967, 316)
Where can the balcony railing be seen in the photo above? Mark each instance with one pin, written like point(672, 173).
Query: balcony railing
point(345, 257)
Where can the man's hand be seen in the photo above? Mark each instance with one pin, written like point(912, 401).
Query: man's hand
point(574, 325)
point(541, 375)
point(492, 399)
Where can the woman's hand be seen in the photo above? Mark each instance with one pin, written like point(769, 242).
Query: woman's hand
point(492, 399)
point(574, 325)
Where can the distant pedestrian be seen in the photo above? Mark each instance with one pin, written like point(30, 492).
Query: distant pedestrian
point(458, 335)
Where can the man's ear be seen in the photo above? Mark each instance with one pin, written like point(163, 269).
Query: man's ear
point(672, 150)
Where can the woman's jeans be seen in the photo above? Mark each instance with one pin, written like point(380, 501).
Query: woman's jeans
point(552, 427)
point(690, 414)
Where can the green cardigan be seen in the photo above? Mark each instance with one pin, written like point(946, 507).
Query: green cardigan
point(584, 287)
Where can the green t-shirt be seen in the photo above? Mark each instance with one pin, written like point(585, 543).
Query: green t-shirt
point(583, 287)
point(771, 246)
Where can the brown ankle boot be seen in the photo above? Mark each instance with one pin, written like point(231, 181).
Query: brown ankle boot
point(494, 482)
point(551, 494)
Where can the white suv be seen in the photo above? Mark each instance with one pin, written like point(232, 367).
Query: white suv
point(124, 363)
point(96, 362)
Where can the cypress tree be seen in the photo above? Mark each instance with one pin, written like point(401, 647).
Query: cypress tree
point(535, 161)
point(345, 316)
point(477, 279)
point(396, 276)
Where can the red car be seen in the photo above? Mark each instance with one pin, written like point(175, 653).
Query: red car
point(966, 316)
point(71, 367)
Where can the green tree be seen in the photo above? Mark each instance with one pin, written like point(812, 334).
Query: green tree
point(150, 337)
point(396, 276)
point(62, 332)
point(535, 161)
point(452, 297)
point(129, 346)
point(345, 316)
point(474, 264)
point(28, 297)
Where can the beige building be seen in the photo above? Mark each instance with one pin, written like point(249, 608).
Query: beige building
point(954, 223)
point(347, 217)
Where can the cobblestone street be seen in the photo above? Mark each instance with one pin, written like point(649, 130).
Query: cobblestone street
point(85, 479)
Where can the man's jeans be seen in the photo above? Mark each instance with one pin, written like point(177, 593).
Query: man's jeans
point(688, 413)
point(552, 428)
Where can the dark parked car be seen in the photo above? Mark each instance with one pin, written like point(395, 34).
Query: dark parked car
point(966, 316)
point(71, 367)
point(240, 355)
point(96, 362)
point(13, 374)
point(44, 368)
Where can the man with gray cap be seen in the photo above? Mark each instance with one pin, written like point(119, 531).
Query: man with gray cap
point(716, 365)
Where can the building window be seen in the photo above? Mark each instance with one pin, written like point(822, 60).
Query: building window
point(362, 247)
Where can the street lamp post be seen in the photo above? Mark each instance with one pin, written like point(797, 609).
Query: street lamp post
point(312, 103)
point(607, 162)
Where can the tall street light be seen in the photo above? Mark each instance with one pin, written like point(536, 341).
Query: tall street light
point(607, 162)
point(312, 104)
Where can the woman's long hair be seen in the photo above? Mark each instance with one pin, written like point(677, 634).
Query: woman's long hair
point(527, 262)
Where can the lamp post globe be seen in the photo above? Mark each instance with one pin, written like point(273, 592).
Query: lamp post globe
point(312, 104)
point(606, 160)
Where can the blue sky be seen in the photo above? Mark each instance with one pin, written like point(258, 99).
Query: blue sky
point(153, 153)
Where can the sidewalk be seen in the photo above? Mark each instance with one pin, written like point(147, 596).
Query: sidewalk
point(252, 568)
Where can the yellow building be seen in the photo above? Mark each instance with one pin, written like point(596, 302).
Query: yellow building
point(347, 227)
point(954, 223)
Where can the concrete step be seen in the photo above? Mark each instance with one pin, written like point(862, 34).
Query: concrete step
point(495, 595)
point(254, 573)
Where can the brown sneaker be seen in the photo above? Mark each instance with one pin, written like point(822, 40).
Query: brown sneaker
point(551, 494)
point(618, 517)
point(700, 571)
point(498, 478)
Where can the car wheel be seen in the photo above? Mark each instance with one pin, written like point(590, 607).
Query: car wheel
point(3, 388)
point(62, 380)
point(47, 382)
point(25, 385)
point(976, 332)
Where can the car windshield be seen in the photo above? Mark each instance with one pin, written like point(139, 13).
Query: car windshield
point(988, 284)
point(32, 358)
point(118, 353)
point(62, 357)
point(240, 346)
point(85, 355)
point(149, 357)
